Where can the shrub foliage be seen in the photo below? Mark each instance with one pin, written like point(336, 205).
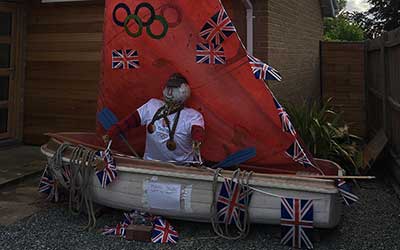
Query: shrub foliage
point(326, 134)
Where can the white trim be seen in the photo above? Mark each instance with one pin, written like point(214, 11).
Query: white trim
point(250, 25)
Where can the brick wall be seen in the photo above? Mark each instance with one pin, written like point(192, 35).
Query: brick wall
point(237, 13)
point(294, 29)
point(260, 33)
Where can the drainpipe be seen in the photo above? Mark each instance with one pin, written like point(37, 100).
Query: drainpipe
point(334, 7)
point(249, 21)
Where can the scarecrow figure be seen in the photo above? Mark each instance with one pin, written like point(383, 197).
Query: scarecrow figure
point(174, 132)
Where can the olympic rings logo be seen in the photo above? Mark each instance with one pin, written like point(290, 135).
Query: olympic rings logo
point(153, 17)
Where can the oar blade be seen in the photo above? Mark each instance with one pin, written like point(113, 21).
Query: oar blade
point(106, 118)
point(237, 158)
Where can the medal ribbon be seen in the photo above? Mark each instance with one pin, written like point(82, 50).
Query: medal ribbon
point(163, 112)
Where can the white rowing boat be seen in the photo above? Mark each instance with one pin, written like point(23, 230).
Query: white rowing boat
point(195, 186)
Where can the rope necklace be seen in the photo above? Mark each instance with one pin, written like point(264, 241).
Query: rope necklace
point(163, 113)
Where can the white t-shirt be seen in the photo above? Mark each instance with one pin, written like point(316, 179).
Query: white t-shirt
point(156, 148)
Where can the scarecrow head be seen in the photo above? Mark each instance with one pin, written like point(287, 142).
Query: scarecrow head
point(177, 90)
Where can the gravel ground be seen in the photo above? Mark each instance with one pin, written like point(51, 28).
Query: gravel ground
point(373, 223)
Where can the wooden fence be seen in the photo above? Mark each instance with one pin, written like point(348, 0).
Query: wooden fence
point(63, 49)
point(383, 87)
point(342, 75)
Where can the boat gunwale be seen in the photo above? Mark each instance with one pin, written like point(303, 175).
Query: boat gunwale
point(258, 179)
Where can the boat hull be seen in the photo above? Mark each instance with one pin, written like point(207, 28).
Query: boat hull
point(131, 191)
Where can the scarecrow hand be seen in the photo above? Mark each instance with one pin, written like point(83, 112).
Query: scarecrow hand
point(196, 146)
point(106, 139)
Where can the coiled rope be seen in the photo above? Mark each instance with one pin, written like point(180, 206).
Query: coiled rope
point(55, 165)
point(224, 229)
point(81, 173)
point(82, 161)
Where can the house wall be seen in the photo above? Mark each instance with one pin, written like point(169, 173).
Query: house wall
point(237, 13)
point(62, 67)
point(260, 29)
point(294, 29)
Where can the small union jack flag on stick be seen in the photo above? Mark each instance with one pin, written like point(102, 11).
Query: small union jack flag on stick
point(163, 232)
point(262, 70)
point(125, 59)
point(119, 230)
point(296, 152)
point(218, 28)
point(48, 185)
point(297, 218)
point(208, 53)
point(109, 173)
point(287, 125)
point(232, 201)
point(132, 217)
point(135, 216)
point(345, 191)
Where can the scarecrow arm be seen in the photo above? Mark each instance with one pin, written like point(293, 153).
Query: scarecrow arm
point(197, 133)
point(131, 121)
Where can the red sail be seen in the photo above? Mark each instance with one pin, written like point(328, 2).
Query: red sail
point(145, 42)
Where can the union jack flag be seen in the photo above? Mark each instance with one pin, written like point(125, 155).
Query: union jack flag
point(163, 232)
point(208, 53)
point(297, 217)
point(346, 192)
point(296, 152)
point(232, 201)
point(125, 59)
point(119, 230)
point(218, 28)
point(287, 125)
point(262, 70)
point(128, 219)
point(109, 173)
point(48, 185)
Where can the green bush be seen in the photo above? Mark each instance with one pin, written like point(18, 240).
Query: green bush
point(326, 134)
point(341, 29)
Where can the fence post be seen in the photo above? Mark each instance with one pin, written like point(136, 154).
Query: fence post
point(384, 81)
point(366, 86)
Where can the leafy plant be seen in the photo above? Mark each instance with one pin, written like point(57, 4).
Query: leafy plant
point(341, 28)
point(326, 134)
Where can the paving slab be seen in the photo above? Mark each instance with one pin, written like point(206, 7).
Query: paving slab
point(20, 200)
point(19, 162)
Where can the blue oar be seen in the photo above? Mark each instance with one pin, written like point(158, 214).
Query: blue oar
point(237, 158)
point(107, 119)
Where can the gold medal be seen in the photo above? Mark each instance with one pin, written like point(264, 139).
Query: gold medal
point(171, 145)
point(151, 128)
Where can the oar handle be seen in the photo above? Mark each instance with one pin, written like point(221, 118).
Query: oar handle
point(129, 146)
point(109, 145)
point(338, 177)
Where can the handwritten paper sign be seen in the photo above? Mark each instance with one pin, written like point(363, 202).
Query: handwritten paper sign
point(163, 195)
